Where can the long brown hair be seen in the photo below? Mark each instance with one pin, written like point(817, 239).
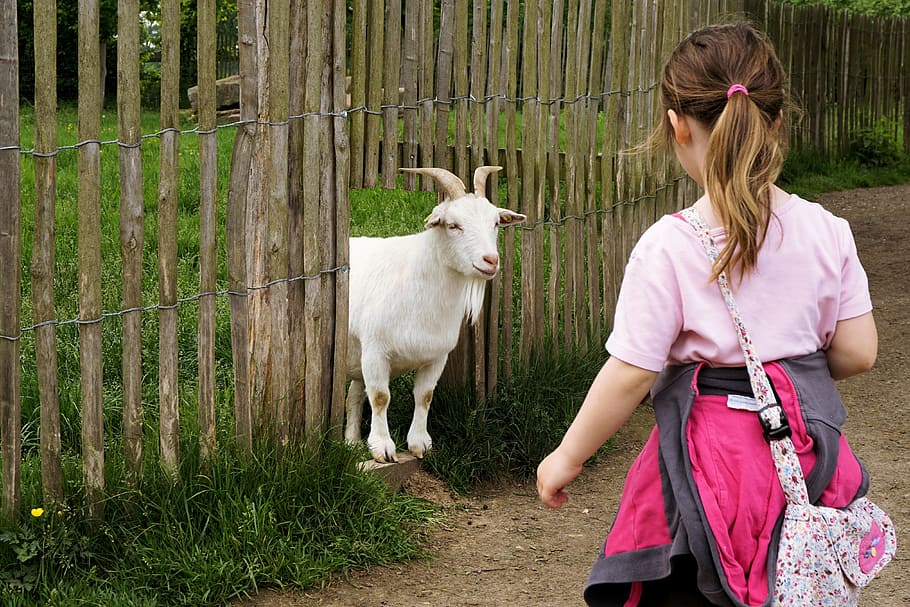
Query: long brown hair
point(746, 148)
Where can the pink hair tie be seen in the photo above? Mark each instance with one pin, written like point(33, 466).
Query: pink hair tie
point(736, 88)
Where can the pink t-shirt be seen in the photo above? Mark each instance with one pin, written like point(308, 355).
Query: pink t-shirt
point(807, 278)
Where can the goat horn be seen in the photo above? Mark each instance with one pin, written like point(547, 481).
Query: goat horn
point(480, 179)
point(451, 184)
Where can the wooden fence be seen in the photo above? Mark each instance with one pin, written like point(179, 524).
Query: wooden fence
point(551, 90)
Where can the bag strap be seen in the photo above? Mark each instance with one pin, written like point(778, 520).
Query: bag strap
point(771, 414)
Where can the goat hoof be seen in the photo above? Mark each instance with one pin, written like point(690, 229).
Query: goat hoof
point(384, 453)
point(420, 447)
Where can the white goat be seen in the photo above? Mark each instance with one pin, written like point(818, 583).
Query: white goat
point(408, 298)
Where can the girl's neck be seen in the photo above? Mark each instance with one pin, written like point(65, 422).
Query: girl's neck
point(712, 218)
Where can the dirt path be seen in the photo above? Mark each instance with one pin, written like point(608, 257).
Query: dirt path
point(504, 548)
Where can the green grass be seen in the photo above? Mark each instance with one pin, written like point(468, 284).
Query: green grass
point(809, 176)
point(215, 535)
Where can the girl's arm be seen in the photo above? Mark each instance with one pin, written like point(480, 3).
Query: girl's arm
point(615, 393)
point(854, 346)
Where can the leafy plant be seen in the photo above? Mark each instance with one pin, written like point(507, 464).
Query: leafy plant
point(875, 146)
point(44, 543)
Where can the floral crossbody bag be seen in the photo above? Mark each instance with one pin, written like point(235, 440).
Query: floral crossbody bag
point(825, 555)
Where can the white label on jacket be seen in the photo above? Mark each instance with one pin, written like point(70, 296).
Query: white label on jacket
point(744, 403)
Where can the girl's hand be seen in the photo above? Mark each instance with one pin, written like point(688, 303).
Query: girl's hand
point(553, 474)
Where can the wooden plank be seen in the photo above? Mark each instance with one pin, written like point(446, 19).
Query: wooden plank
point(540, 151)
point(444, 62)
point(45, 164)
point(375, 32)
point(342, 223)
point(257, 254)
point(235, 226)
point(484, 334)
point(132, 231)
point(10, 400)
point(409, 71)
point(532, 312)
point(461, 83)
point(327, 201)
point(358, 88)
point(587, 252)
point(391, 80)
point(555, 301)
point(296, 288)
point(208, 241)
point(89, 239)
point(426, 90)
point(313, 249)
point(592, 206)
point(574, 248)
point(510, 86)
point(278, 111)
point(168, 405)
point(495, 91)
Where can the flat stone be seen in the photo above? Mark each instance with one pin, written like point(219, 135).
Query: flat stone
point(395, 473)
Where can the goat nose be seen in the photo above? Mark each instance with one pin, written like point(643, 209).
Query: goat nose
point(492, 259)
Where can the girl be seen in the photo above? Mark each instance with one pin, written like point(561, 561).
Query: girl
point(697, 522)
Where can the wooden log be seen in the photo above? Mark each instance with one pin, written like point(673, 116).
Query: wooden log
point(132, 231)
point(10, 400)
point(296, 155)
point(495, 91)
point(89, 238)
point(314, 229)
point(391, 80)
point(235, 226)
point(342, 223)
point(43, 246)
point(278, 111)
point(592, 206)
point(409, 72)
point(169, 411)
point(555, 300)
point(208, 241)
point(426, 88)
point(444, 61)
point(574, 277)
point(483, 335)
point(358, 89)
point(257, 221)
point(532, 313)
point(510, 60)
point(374, 61)
point(461, 83)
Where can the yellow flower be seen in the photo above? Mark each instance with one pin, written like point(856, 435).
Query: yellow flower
point(37, 512)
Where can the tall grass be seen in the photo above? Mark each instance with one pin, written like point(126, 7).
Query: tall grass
point(216, 534)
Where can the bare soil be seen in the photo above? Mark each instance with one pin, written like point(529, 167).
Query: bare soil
point(502, 547)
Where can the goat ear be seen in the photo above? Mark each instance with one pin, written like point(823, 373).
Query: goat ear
point(433, 219)
point(507, 217)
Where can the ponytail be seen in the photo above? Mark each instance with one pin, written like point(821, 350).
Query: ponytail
point(744, 159)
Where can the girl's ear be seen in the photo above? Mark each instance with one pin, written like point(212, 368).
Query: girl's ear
point(680, 125)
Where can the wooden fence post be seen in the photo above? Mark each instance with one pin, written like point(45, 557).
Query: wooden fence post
point(235, 227)
point(208, 251)
point(168, 400)
point(278, 111)
point(89, 236)
point(43, 245)
point(132, 230)
point(10, 402)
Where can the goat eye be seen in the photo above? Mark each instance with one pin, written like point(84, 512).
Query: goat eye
point(455, 227)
